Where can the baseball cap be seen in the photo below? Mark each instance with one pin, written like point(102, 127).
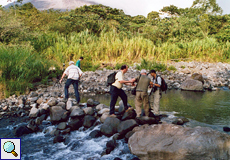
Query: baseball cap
point(71, 62)
point(143, 71)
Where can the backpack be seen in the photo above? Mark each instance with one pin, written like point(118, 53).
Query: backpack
point(111, 79)
point(164, 85)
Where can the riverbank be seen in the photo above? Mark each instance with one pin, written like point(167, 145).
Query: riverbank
point(213, 75)
point(37, 109)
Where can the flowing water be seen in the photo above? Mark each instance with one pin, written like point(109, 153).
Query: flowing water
point(208, 109)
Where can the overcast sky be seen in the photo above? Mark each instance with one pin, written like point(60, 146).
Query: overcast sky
point(143, 7)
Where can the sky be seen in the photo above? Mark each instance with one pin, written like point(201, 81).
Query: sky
point(143, 7)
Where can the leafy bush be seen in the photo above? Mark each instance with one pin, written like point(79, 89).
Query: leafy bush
point(118, 65)
point(20, 69)
point(172, 68)
point(151, 65)
point(88, 64)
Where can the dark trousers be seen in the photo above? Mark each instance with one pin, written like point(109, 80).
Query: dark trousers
point(75, 86)
point(115, 93)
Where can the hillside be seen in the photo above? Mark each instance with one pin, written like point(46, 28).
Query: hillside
point(56, 4)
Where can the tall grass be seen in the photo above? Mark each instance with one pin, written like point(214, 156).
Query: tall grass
point(110, 47)
point(20, 68)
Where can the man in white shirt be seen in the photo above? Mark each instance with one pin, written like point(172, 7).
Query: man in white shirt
point(117, 91)
point(74, 73)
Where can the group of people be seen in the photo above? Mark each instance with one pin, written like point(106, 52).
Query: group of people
point(142, 82)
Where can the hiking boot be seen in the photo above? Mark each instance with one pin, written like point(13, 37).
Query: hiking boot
point(113, 115)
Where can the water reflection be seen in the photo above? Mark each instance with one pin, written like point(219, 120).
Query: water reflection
point(212, 108)
point(195, 96)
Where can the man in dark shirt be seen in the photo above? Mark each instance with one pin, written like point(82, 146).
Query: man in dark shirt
point(143, 81)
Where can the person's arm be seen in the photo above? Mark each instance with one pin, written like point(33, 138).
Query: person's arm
point(157, 85)
point(130, 82)
point(80, 72)
point(123, 81)
point(63, 75)
point(151, 84)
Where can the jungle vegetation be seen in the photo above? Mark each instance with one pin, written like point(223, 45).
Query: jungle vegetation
point(33, 41)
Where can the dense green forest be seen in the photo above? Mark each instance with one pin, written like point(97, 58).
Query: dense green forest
point(32, 41)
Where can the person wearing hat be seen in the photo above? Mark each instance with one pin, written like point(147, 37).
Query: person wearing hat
point(74, 73)
point(143, 82)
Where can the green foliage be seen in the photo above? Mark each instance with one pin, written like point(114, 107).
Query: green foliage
point(151, 65)
point(106, 35)
point(118, 65)
point(89, 64)
point(43, 41)
point(20, 68)
point(171, 68)
point(11, 29)
point(171, 10)
point(224, 34)
point(207, 6)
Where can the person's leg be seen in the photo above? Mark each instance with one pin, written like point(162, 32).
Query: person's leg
point(146, 103)
point(67, 84)
point(123, 98)
point(151, 100)
point(75, 86)
point(156, 102)
point(138, 103)
point(114, 96)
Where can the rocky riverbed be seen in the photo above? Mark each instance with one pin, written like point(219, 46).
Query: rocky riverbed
point(212, 76)
point(46, 106)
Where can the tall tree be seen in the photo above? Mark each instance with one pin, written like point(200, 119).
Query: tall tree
point(207, 6)
point(171, 10)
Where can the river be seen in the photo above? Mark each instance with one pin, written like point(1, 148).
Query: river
point(209, 109)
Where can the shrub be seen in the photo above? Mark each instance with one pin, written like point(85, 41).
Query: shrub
point(172, 68)
point(151, 65)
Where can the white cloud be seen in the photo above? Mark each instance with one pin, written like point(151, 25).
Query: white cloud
point(143, 7)
point(4, 2)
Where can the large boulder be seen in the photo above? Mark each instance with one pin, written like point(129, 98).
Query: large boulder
point(95, 134)
point(21, 130)
point(56, 113)
point(130, 114)
point(88, 111)
point(192, 85)
point(126, 126)
point(90, 102)
point(104, 116)
point(101, 106)
point(168, 141)
point(52, 102)
point(109, 127)
point(75, 123)
point(77, 113)
point(146, 120)
point(34, 112)
point(197, 76)
point(89, 121)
